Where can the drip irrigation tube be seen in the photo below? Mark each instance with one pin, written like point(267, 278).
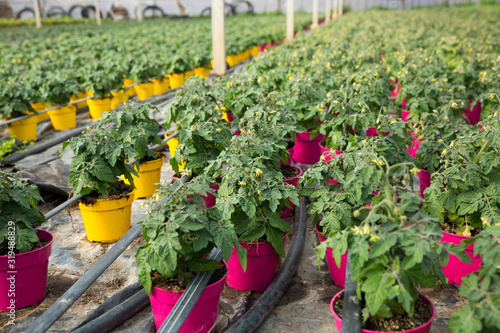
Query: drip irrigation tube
point(351, 312)
point(173, 323)
point(260, 310)
point(117, 315)
point(65, 204)
point(41, 147)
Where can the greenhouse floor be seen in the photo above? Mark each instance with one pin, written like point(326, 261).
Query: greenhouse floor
point(305, 306)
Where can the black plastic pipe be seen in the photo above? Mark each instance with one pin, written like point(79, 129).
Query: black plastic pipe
point(117, 315)
point(111, 303)
point(41, 147)
point(62, 206)
point(260, 310)
point(173, 323)
point(351, 312)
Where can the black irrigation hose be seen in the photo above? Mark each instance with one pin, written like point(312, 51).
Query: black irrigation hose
point(351, 312)
point(111, 303)
point(41, 147)
point(62, 206)
point(113, 318)
point(176, 318)
point(260, 310)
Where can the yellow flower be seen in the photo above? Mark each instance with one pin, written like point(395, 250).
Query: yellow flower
point(157, 197)
point(259, 192)
point(194, 97)
point(319, 109)
point(356, 230)
point(242, 183)
point(376, 74)
point(495, 114)
point(491, 96)
point(485, 221)
point(374, 238)
point(378, 121)
point(446, 161)
point(366, 229)
point(256, 113)
point(218, 130)
point(453, 104)
point(414, 171)
point(435, 111)
point(466, 231)
point(258, 171)
point(223, 108)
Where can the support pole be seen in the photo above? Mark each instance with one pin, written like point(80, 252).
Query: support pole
point(37, 14)
point(139, 11)
point(335, 9)
point(289, 20)
point(341, 7)
point(327, 11)
point(218, 37)
point(314, 24)
point(97, 12)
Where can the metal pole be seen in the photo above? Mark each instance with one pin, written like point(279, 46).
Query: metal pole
point(37, 14)
point(289, 20)
point(218, 37)
point(335, 9)
point(314, 24)
point(139, 11)
point(97, 12)
point(327, 11)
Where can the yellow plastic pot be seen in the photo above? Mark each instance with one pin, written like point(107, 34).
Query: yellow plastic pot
point(108, 219)
point(24, 129)
point(232, 60)
point(189, 74)
point(144, 91)
point(149, 176)
point(160, 86)
point(80, 95)
point(119, 97)
point(242, 56)
point(176, 80)
point(98, 106)
point(37, 106)
point(254, 51)
point(130, 91)
point(172, 146)
point(246, 54)
point(202, 72)
point(63, 118)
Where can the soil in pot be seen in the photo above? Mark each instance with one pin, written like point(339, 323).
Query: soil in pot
point(453, 229)
point(289, 172)
point(41, 243)
point(173, 284)
point(119, 190)
point(423, 313)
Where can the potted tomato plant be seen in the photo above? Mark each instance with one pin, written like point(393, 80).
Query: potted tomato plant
point(24, 250)
point(100, 158)
point(393, 251)
point(179, 235)
point(463, 191)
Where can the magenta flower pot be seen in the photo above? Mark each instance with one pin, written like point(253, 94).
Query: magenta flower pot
point(285, 211)
point(307, 150)
point(424, 178)
point(456, 269)
point(202, 317)
point(337, 273)
point(372, 131)
point(24, 283)
point(474, 116)
point(262, 266)
point(404, 115)
point(425, 328)
point(210, 198)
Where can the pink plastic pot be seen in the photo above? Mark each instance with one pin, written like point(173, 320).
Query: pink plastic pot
point(328, 157)
point(424, 178)
point(202, 317)
point(24, 284)
point(307, 150)
point(285, 211)
point(404, 115)
point(372, 131)
point(474, 116)
point(425, 328)
point(337, 273)
point(456, 269)
point(262, 266)
point(210, 198)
